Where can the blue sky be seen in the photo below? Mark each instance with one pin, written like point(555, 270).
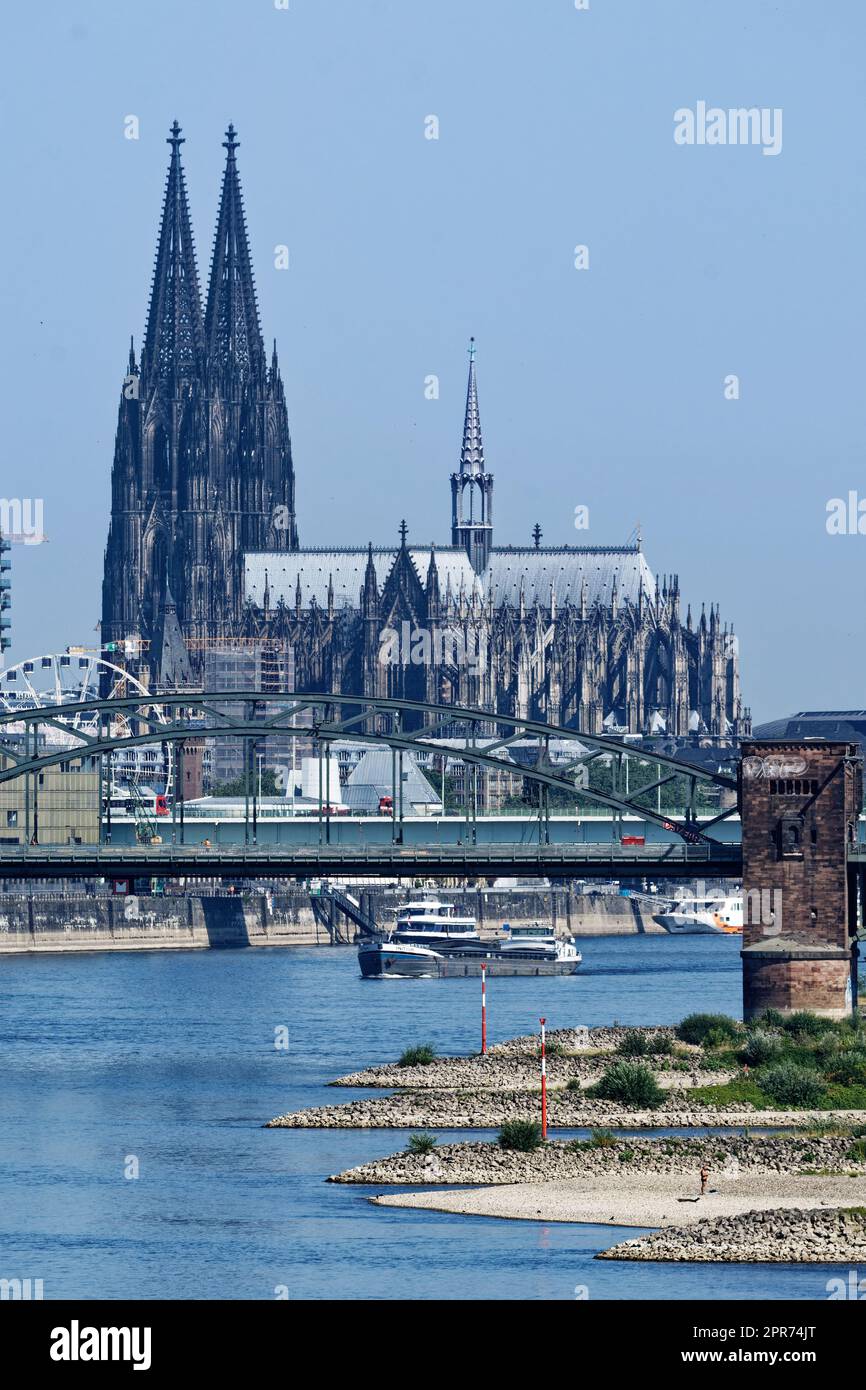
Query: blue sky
point(601, 387)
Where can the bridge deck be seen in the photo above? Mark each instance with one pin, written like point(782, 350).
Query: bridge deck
point(313, 861)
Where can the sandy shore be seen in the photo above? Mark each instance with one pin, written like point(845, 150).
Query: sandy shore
point(644, 1201)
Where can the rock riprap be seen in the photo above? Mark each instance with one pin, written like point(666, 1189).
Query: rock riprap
point(727, 1156)
point(826, 1234)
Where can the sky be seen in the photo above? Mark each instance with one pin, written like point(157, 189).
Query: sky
point(606, 387)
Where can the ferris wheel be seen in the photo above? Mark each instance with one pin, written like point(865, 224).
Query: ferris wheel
point(71, 678)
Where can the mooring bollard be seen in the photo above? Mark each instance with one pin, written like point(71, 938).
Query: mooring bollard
point(483, 1009)
point(543, 1084)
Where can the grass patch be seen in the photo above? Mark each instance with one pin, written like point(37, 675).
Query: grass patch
point(745, 1090)
point(422, 1143)
point(421, 1055)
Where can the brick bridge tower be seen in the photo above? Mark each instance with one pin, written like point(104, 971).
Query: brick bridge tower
point(799, 802)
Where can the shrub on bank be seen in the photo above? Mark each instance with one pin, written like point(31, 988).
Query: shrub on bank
point(633, 1044)
point(807, 1025)
point(630, 1083)
point(857, 1151)
point(790, 1084)
point(421, 1055)
point(422, 1143)
point(695, 1028)
point(848, 1068)
point(771, 1018)
point(661, 1045)
point(522, 1135)
point(761, 1047)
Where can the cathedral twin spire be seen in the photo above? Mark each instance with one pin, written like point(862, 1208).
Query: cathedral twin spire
point(179, 342)
point(174, 337)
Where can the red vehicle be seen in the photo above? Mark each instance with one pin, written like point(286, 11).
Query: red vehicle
point(161, 806)
point(386, 805)
point(633, 840)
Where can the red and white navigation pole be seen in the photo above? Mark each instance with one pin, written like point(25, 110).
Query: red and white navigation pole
point(483, 1009)
point(543, 1084)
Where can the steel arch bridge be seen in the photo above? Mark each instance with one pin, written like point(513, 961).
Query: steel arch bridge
point(403, 726)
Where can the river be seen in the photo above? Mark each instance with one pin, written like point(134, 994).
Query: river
point(166, 1065)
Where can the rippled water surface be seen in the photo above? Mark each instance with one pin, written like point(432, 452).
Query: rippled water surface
point(169, 1059)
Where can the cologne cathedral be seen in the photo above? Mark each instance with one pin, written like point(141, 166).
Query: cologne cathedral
point(203, 563)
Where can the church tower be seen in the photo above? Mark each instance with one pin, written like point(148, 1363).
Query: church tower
point(203, 459)
point(472, 525)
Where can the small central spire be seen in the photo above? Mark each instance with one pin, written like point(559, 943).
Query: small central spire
point(231, 142)
point(472, 451)
point(175, 139)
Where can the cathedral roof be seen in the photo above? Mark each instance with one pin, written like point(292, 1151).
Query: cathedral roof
point(567, 567)
point(345, 569)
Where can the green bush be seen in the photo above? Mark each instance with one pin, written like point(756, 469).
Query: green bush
point(422, 1143)
point(633, 1044)
point(630, 1083)
point(857, 1151)
point(522, 1135)
point(661, 1045)
point(848, 1068)
point(695, 1027)
point(828, 1046)
point(574, 1084)
point(717, 1038)
point(771, 1018)
point(761, 1047)
point(789, 1084)
point(421, 1055)
point(805, 1024)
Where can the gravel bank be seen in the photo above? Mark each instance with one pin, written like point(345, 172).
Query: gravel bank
point(727, 1157)
point(514, 1072)
point(566, 1109)
point(759, 1237)
point(643, 1200)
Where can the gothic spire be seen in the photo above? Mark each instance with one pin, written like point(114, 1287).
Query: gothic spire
point(173, 339)
point(232, 332)
point(472, 452)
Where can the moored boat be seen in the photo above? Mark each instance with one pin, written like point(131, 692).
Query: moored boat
point(385, 958)
point(709, 916)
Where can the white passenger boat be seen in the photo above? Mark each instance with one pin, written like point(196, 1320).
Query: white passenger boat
point(709, 916)
point(426, 921)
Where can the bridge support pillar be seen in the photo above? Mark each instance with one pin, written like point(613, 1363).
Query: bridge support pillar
point(799, 803)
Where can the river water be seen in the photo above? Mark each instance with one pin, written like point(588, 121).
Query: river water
point(165, 1064)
